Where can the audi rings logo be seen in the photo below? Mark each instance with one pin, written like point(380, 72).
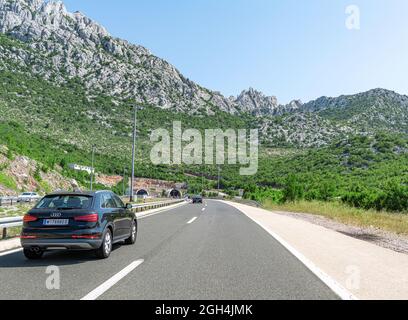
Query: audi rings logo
point(56, 215)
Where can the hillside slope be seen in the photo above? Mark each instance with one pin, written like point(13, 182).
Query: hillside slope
point(68, 85)
point(19, 173)
point(72, 45)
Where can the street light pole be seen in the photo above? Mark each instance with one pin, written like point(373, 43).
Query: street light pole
point(133, 154)
point(124, 178)
point(202, 177)
point(92, 167)
point(219, 172)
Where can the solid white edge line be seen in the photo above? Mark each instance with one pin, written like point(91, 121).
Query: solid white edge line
point(337, 288)
point(5, 253)
point(192, 220)
point(95, 294)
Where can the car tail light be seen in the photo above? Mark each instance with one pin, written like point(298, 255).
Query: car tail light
point(28, 237)
point(90, 237)
point(29, 218)
point(87, 218)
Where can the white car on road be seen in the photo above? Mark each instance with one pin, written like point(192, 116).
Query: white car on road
point(28, 197)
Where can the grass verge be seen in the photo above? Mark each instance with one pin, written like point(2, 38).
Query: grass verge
point(15, 211)
point(392, 222)
point(11, 233)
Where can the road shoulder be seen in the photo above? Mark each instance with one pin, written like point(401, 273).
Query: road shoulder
point(364, 269)
point(10, 244)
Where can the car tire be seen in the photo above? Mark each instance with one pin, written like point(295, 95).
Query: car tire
point(132, 239)
point(33, 254)
point(106, 248)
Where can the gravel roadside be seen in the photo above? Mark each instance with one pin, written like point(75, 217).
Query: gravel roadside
point(385, 239)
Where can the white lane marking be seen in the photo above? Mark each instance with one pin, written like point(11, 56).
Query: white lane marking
point(203, 209)
point(2, 254)
point(336, 287)
point(95, 294)
point(192, 220)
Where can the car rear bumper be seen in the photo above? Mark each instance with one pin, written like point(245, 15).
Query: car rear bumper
point(70, 244)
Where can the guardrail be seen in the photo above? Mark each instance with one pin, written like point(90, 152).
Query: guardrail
point(4, 201)
point(6, 223)
point(9, 201)
point(155, 205)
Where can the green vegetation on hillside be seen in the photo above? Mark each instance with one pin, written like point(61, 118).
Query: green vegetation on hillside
point(7, 181)
point(57, 124)
point(370, 173)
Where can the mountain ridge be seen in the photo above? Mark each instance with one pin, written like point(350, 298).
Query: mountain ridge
point(79, 47)
point(69, 49)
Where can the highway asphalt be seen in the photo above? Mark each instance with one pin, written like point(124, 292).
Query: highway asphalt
point(207, 252)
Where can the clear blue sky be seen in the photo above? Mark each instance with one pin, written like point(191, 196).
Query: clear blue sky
point(288, 48)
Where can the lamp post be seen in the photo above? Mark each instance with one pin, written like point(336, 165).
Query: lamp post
point(133, 154)
point(124, 178)
point(219, 178)
point(92, 167)
point(202, 183)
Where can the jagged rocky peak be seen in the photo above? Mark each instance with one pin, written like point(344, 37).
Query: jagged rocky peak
point(295, 105)
point(259, 104)
point(256, 102)
point(30, 20)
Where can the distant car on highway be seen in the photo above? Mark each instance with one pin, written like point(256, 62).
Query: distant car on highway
point(78, 221)
point(28, 197)
point(197, 199)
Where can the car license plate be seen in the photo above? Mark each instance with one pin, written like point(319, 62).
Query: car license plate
point(56, 222)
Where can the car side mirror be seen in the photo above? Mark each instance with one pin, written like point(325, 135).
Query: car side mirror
point(129, 206)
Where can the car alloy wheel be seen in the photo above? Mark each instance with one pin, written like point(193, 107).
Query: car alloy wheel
point(133, 232)
point(108, 243)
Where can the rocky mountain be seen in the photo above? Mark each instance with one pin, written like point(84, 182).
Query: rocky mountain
point(72, 45)
point(68, 87)
point(59, 67)
point(374, 110)
point(256, 103)
point(321, 121)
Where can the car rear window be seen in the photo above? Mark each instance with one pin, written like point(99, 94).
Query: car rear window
point(65, 202)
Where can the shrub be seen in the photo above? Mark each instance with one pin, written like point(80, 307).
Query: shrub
point(7, 181)
point(393, 197)
point(293, 190)
point(262, 194)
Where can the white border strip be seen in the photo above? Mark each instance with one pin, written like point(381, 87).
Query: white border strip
point(95, 294)
point(337, 288)
point(5, 253)
point(192, 220)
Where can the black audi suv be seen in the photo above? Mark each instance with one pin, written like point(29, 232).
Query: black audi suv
point(78, 221)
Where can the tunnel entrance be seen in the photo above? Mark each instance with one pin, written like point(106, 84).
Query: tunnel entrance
point(175, 194)
point(142, 193)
